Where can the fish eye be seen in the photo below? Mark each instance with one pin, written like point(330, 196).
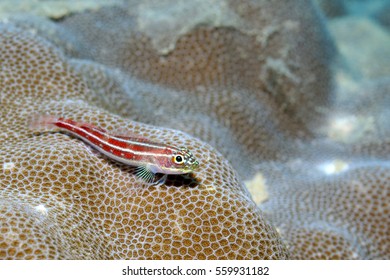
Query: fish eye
point(178, 159)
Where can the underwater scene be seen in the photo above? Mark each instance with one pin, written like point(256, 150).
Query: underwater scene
point(162, 129)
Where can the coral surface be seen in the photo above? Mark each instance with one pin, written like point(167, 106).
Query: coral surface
point(61, 200)
point(248, 86)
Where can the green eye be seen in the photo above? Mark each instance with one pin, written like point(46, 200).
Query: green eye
point(178, 159)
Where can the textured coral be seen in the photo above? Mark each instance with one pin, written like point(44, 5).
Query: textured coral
point(345, 216)
point(253, 79)
point(234, 90)
point(61, 200)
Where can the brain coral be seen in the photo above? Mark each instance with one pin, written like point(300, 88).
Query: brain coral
point(344, 216)
point(252, 80)
point(61, 200)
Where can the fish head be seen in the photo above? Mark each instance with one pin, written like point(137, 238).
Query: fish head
point(182, 162)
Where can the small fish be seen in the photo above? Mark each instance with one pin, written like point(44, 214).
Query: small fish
point(148, 157)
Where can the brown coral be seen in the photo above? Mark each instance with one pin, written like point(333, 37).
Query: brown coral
point(250, 78)
point(342, 216)
point(60, 200)
point(244, 84)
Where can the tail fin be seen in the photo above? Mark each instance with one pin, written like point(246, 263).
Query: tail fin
point(42, 122)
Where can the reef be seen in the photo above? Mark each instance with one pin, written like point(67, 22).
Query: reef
point(291, 139)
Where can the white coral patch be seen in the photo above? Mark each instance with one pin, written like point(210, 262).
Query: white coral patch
point(348, 128)
point(8, 165)
point(257, 188)
point(333, 167)
point(41, 209)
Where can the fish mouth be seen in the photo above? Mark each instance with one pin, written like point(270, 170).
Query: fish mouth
point(191, 167)
point(187, 168)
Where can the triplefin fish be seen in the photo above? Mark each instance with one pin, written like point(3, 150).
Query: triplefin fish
point(147, 156)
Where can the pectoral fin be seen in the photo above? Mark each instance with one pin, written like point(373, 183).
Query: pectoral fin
point(144, 172)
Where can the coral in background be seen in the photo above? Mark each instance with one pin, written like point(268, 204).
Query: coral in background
point(252, 79)
point(339, 211)
point(52, 8)
point(372, 40)
point(242, 82)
